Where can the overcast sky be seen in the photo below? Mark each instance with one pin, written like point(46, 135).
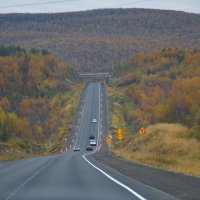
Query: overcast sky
point(41, 6)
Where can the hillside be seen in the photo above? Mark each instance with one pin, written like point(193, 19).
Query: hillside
point(37, 101)
point(163, 86)
point(160, 91)
point(98, 40)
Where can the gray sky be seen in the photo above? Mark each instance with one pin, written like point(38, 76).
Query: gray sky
point(50, 6)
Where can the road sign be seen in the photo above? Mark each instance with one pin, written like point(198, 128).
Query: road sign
point(119, 134)
point(142, 131)
point(110, 136)
point(108, 140)
point(119, 131)
point(120, 137)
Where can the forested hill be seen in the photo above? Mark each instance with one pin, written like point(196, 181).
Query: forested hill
point(159, 91)
point(36, 95)
point(97, 40)
point(163, 86)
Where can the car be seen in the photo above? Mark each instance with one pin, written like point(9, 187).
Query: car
point(89, 148)
point(76, 148)
point(94, 120)
point(91, 136)
point(93, 143)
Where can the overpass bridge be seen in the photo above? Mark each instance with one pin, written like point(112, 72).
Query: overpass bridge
point(103, 75)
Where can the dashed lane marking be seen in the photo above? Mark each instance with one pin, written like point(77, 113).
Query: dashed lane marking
point(29, 179)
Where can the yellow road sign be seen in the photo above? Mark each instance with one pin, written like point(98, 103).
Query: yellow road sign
point(119, 134)
point(108, 140)
point(142, 131)
point(119, 131)
point(119, 137)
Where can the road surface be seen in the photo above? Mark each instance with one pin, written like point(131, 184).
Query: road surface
point(73, 175)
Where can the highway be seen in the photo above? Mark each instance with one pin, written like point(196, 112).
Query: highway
point(73, 175)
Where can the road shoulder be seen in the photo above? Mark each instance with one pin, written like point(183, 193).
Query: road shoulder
point(178, 185)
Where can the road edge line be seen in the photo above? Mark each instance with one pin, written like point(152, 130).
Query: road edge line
point(114, 180)
point(100, 170)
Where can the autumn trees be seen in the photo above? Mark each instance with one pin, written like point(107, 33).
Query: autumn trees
point(27, 85)
point(100, 39)
point(162, 86)
point(184, 103)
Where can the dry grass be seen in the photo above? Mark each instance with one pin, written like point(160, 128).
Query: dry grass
point(14, 149)
point(117, 119)
point(66, 113)
point(167, 146)
point(13, 156)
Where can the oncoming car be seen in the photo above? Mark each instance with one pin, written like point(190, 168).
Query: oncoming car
point(94, 120)
point(76, 148)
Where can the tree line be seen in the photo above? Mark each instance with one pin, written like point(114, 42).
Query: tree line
point(29, 83)
point(100, 39)
point(161, 86)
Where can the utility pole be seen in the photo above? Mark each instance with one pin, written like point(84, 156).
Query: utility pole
point(142, 132)
point(142, 148)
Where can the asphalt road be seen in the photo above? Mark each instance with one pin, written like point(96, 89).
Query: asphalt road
point(74, 175)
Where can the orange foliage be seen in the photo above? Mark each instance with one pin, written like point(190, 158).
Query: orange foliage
point(164, 87)
point(27, 82)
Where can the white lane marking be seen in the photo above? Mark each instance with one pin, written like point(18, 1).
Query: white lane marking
point(114, 180)
point(28, 180)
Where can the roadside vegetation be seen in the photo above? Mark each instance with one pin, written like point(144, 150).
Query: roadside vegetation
point(159, 91)
point(38, 100)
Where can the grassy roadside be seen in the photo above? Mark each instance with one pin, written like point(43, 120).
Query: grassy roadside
point(63, 108)
point(14, 149)
point(66, 114)
point(169, 146)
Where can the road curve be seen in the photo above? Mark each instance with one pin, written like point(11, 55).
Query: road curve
point(73, 175)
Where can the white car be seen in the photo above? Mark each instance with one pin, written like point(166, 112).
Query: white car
point(93, 143)
point(76, 148)
point(94, 120)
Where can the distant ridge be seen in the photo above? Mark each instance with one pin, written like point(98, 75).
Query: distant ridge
point(97, 40)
